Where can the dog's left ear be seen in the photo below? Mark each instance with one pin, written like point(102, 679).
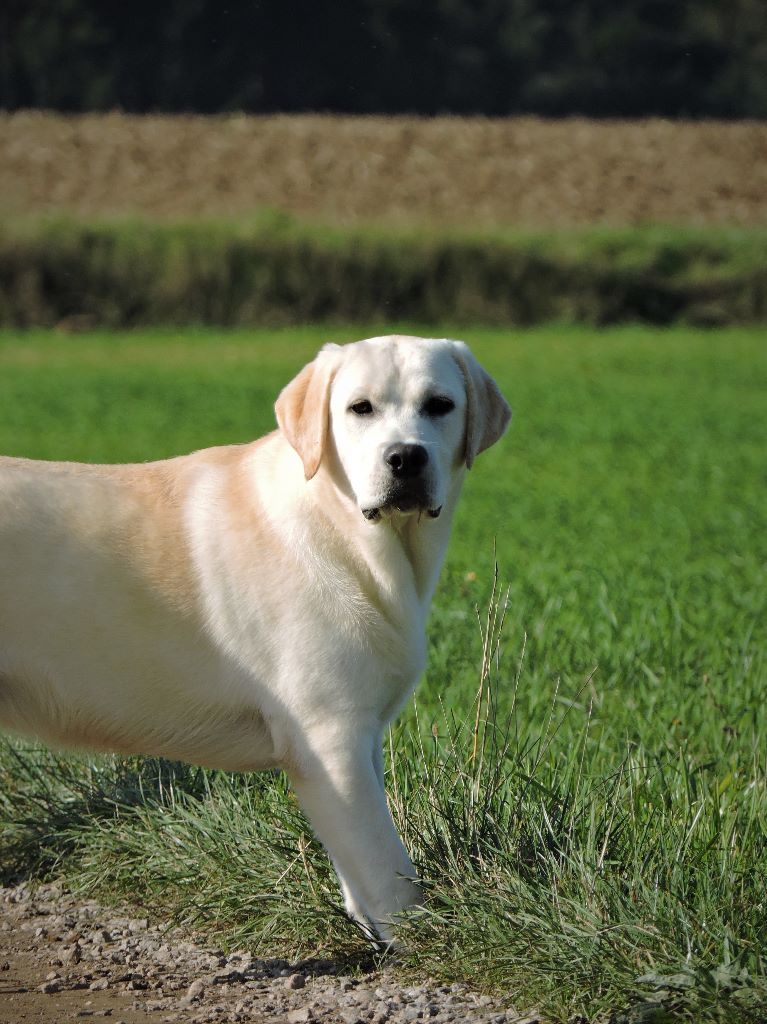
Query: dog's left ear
point(302, 408)
point(487, 411)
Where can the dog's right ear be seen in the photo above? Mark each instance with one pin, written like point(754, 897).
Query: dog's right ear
point(303, 408)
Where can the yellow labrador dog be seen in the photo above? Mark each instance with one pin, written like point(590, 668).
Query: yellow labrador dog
point(254, 606)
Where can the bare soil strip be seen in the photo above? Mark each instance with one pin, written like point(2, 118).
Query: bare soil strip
point(443, 172)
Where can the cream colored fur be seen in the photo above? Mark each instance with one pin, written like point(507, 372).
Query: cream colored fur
point(234, 608)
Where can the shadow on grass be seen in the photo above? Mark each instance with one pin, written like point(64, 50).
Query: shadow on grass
point(48, 801)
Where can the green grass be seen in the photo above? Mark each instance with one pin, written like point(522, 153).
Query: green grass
point(601, 848)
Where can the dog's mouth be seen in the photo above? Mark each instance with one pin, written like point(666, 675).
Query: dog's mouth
point(404, 497)
point(373, 515)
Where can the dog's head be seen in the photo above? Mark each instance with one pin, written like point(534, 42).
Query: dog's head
point(398, 415)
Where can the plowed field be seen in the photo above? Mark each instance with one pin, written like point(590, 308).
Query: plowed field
point(447, 171)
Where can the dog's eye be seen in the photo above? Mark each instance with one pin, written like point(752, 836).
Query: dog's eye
point(438, 406)
point(361, 408)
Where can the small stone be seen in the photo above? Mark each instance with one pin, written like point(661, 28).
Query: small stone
point(136, 984)
point(72, 955)
point(300, 1016)
point(228, 976)
point(351, 1017)
point(99, 985)
point(295, 981)
point(50, 986)
point(196, 989)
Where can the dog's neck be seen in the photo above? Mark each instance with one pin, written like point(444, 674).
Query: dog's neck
point(402, 552)
point(424, 542)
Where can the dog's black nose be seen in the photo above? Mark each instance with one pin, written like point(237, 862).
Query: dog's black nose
point(406, 460)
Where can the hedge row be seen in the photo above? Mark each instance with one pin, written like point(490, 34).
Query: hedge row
point(275, 271)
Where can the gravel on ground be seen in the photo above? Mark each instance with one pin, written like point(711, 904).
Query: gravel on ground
point(65, 958)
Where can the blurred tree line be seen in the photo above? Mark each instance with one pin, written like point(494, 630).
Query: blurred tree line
point(677, 58)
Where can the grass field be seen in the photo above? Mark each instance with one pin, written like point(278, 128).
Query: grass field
point(605, 852)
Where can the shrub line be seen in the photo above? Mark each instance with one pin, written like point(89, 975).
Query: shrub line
point(274, 270)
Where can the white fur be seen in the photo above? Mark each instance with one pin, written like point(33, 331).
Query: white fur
point(234, 608)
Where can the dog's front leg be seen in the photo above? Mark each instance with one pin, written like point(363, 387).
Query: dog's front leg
point(342, 794)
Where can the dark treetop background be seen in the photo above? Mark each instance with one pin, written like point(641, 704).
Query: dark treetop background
point(675, 58)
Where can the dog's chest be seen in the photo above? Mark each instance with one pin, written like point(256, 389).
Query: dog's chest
point(330, 647)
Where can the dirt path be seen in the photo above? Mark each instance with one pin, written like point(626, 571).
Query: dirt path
point(65, 959)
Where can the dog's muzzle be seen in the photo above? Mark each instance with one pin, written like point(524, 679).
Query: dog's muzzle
point(407, 489)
